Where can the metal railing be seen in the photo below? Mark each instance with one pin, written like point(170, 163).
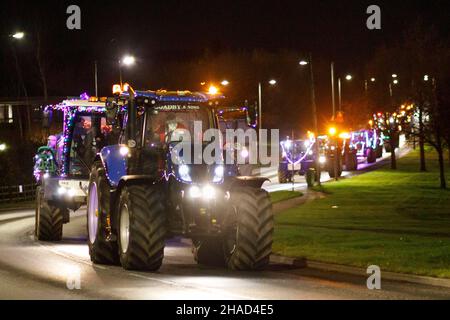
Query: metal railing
point(25, 192)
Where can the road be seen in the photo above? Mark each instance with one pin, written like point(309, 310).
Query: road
point(299, 182)
point(40, 270)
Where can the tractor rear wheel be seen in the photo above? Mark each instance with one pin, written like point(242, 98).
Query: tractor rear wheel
point(283, 176)
point(142, 228)
point(249, 229)
point(49, 219)
point(351, 162)
point(101, 250)
point(371, 155)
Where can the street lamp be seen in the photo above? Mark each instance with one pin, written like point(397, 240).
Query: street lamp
point(2, 147)
point(313, 106)
point(18, 35)
point(127, 60)
point(394, 75)
point(425, 77)
point(372, 79)
point(272, 82)
point(225, 82)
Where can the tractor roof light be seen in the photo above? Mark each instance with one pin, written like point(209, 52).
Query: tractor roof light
point(332, 131)
point(117, 89)
point(213, 90)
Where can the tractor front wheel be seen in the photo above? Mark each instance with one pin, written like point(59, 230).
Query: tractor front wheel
point(142, 228)
point(101, 249)
point(249, 229)
point(49, 218)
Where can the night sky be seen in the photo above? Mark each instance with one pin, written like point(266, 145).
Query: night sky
point(161, 33)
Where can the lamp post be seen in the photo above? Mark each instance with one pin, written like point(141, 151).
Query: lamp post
point(126, 61)
point(18, 36)
point(348, 77)
point(272, 82)
point(314, 112)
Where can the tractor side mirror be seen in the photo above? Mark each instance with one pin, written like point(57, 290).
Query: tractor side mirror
point(47, 116)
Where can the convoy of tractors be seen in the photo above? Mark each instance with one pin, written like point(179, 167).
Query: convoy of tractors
point(114, 158)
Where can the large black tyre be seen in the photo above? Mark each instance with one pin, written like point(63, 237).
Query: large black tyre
point(330, 169)
point(49, 219)
point(283, 176)
point(249, 231)
point(371, 155)
point(101, 250)
point(351, 162)
point(209, 251)
point(379, 151)
point(311, 177)
point(142, 228)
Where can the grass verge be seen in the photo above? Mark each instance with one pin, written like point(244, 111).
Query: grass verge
point(398, 220)
point(278, 196)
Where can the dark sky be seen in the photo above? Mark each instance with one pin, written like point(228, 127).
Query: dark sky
point(333, 29)
point(165, 32)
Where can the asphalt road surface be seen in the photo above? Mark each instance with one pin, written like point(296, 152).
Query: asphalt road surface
point(31, 269)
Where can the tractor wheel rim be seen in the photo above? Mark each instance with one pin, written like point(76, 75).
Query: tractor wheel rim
point(93, 213)
point(124, 228)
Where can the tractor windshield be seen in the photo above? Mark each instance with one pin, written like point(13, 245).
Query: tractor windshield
point(167, 124)
point(89, 136)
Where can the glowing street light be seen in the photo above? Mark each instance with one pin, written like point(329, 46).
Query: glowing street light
point(128, 60)
point(372, 79)
point(2, 147)
point(394, 75)
point(225, 82)
point(18, 35)
point(425, 77)
point(348, 77)
point(395, 81)
point(303, 63)
point(272, 82)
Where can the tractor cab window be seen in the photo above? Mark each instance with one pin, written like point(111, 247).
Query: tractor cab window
point(165, 125)
point(90, 135)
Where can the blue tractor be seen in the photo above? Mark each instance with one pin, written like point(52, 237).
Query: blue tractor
point(297, 157)
point(139, 194)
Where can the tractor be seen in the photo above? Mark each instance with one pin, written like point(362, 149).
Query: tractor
point(297, 157)
point(61, 168)
point(144, 188)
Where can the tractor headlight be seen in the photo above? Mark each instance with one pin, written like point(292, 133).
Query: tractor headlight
point(183, 172)
point(244, 153)
point(218, 173)
point(322, 159)
point(207, 192)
